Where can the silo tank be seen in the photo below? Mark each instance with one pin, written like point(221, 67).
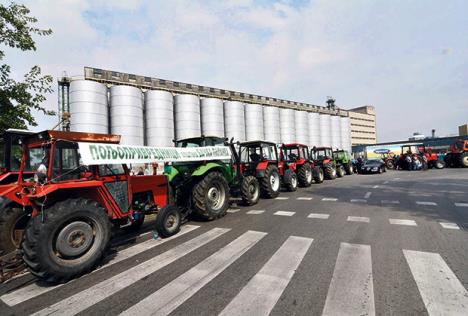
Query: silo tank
point(212, 117)
point(287, 128)
point(325, 130)
point(126, 109)
point(314, 129)
point(254, 122)
point(234, 120)
point(159, 118)
point(336, 131)
point(187, 116)
point(271, 124)
point(302, 128)
point(88, 107)
point(345, 133)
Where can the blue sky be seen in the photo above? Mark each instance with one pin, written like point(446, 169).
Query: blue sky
point(407, 58)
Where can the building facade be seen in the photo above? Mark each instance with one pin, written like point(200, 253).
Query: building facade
point(363, 125)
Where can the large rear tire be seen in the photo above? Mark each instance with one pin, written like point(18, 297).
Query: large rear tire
point(270, 183)
point(168, 221)
point(348, 168)
point(340, 172)
point(318, 175)
point(250, 190)
point(210, 196)
point(68, 240)
point(13, 221)
point(463, 160)
point(390, 164)
point(305, 175)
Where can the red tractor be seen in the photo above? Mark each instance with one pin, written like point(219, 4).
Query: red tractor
point(411, 154)
point(458, 154)
point(10, 154)
point(323, 158)
point(261, 160)
point(297, 156)
point(70, 208)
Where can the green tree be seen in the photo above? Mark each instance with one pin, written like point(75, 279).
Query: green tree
point(19, 98)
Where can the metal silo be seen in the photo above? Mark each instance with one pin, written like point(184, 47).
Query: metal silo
point(345, 133)
point(254, 122)
point(88, 107)
point(187, 116)
point(302, 128)
point(159, 118)
point(287, 128)
point(271, 124)
point(126, 114)
point(212, 117)
point(325, 130)
point(335, 132)
point(314, 129)
point(234, 120)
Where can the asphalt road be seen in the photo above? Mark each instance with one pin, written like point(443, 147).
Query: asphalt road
point(391, 244)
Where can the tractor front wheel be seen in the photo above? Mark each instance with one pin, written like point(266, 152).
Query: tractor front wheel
point(210, 196)
point(168, 221)
point(439, 164)
point(68, 240)
point(13, 221)
point(340, 172)
point(330, 172)
point(348, 168)
point(463, 160)
point(305, 175)
point(250, 190)
point(270, 183)
point(291, 184)
point(318, 175)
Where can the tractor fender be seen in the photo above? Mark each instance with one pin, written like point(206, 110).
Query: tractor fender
point(203, 169)
point(261, 167)
point(170, 172)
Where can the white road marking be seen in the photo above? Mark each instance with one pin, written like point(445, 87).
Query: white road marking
point(318, 215)
point(282, 198)
point(390, 202)
point(406, 222)
point(233, 210)
point(255, 212)
point(330, 199)
point(368, 194)
point(303, 198)
point(461, 204)
point(262, 292)
point(358, 201)
point(385, 182)
point(351, 290)
point(32, 290)
point(441, 291)
point(396, 179)
point(375, 187)
point(426, 203)
point(284, 213)
point(450, 225)
point(82, 300)
point(170, 296)
point(358, 219)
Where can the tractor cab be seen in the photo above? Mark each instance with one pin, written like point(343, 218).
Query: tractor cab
point(10, 154)
point(202, 141)
point(69, 208)
point(321, 155)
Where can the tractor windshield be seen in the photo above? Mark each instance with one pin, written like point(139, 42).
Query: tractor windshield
point(320, 154)
point(200, 142)
point(35, 156)
point(291, 153)
point(257, 153)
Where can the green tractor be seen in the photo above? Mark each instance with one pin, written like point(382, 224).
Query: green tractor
point(343, 158)
point(206, 187)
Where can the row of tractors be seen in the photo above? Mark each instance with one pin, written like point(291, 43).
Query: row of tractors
point(59, 215)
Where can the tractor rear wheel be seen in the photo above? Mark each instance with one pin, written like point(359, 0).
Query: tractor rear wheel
point(318, 175)
point(340, 172)
point(439, 164)
point(305, 175)
point(168, 221)
point(291, 185)
point(348, 168)
point(250, 190)
point(70, 239)
point(270, 183)
point(210, 196)
point(13, 221)
point(330, 172)
point(463, 160)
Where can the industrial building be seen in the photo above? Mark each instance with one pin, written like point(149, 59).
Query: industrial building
point(363, 127)
point(152, 111)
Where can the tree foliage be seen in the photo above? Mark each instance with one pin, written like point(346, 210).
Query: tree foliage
point(19, 98)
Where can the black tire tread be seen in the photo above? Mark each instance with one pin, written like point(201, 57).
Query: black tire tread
point(302, 175)
point(265, 183)
point(8, 216)
point(245, 194)
point(198, 196)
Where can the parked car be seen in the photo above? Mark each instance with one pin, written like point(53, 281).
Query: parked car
point(373, 166)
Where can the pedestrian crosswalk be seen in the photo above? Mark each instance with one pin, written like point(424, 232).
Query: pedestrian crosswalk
point(350, 288)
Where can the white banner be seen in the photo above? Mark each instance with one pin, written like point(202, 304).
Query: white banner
point(101, 154)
